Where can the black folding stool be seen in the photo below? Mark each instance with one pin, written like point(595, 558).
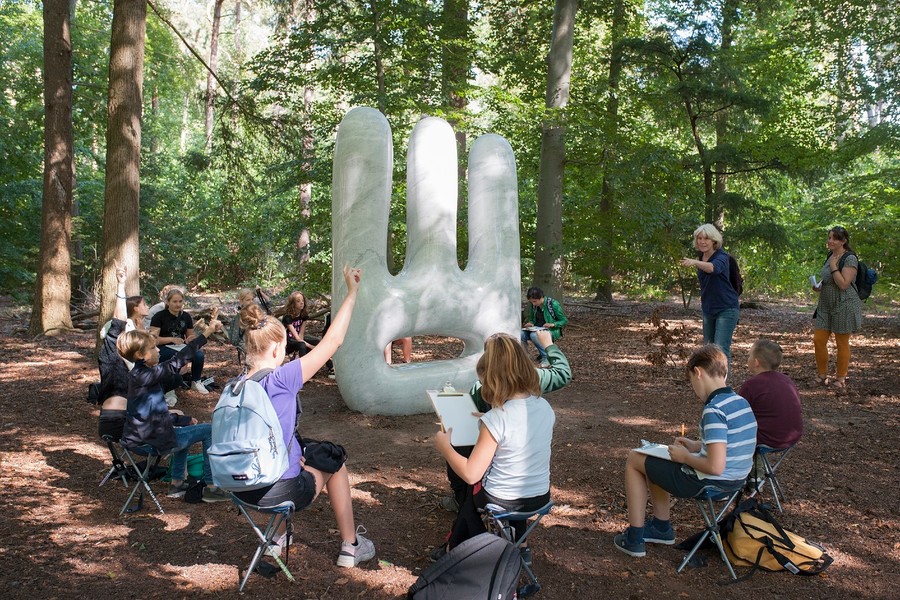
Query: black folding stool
point(500, 521)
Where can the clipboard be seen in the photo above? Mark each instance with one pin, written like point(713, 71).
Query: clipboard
point(455, 412)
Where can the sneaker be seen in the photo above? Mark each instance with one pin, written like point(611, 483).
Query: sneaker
point(171, 398)
point(525, 551)
point(654, 534)
point(214, 494)
point(177, 491)
point(351, 555)
point(637, 549)
point(449, 504)
point(209, 383)
point(277, 546)
point(331, 374)
point(198, 386)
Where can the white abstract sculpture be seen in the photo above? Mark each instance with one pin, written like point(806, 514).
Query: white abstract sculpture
point(430, 295)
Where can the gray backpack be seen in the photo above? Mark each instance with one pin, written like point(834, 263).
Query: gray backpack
point(248, 450)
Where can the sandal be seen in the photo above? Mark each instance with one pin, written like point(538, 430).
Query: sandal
point(822, 380)
point(839, 382)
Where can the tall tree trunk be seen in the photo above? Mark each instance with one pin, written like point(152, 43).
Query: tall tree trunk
point(729, 16)
point(617, 32)
point(213, 68)
point(548, 256)
point(307, 144)
point(378, 53)
point(121, 209)
point(52, 290)
point(456, 62)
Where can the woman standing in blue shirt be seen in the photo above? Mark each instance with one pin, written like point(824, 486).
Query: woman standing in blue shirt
point(718, 299)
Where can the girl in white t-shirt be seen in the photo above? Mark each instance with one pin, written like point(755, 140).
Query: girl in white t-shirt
point(510, 464)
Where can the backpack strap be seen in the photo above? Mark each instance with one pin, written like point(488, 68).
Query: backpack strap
point(240, 381)
point(548, 302)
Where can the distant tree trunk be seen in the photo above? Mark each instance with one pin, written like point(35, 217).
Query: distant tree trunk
point(607, 193)
point(185, 122)
point(548, 257)
point(121, 207)
point(308, 148)
point(52, 291)
point(213, 68)
point(717, 210)
point(456, 62)
point(378, 54)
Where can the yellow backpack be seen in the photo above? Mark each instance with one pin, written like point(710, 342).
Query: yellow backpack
point(753, 538)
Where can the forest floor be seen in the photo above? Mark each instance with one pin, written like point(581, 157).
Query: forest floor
point(61, 536)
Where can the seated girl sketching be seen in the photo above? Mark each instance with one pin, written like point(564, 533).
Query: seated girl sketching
point(510, 463)
point(265, 340)
point(173, 327)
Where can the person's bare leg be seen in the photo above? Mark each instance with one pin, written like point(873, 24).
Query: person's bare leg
point(338, 488)
point(636, 488)
point(406, 347)
point(660, 499)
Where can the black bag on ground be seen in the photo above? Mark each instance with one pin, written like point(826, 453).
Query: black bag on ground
point(485, 566)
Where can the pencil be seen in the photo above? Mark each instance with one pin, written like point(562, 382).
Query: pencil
point(682, 430)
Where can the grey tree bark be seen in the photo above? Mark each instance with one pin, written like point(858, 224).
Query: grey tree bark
point(52, 290)
point(548, 256)
point(121, 209)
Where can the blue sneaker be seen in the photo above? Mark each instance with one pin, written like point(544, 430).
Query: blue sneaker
point(654, 534)
point(637, 549)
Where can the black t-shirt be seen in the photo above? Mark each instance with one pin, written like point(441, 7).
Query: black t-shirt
point(539, 317)
point(172, 325)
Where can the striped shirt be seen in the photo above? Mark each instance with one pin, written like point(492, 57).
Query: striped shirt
point(727, 417)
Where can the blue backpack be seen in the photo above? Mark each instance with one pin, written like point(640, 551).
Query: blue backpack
point(865, 277)
point(248, 450)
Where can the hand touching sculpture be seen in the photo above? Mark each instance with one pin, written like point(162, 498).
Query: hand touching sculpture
point(431, 295)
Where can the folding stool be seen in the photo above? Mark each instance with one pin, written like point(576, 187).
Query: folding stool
point(118, 470)
point(766, 454)
point(280, 513)
point(499, 521)
point(705, 502)
point(144, 476)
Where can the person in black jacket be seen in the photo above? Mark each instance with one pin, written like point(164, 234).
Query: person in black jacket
point(148, 420)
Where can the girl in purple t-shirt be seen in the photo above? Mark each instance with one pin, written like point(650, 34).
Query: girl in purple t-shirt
point(266, 342)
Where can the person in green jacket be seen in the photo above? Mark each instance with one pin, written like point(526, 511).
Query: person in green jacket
point(545, 312)
point(556, 376)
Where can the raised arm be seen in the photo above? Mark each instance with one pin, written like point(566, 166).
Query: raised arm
point(121, 310)
point(313, 360)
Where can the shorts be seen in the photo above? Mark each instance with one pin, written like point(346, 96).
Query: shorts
point(301, 490)
point(111, 423)
point(671, 477)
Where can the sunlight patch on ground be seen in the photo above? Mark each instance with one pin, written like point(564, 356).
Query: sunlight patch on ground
point(638, 422)
point(359, 495)
point(224, 577)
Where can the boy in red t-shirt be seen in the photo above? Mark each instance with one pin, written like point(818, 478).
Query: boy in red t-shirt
point(773, 397)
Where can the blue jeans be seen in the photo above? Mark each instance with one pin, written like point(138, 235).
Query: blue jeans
point(719, 329)
point(165, 353)
point(532, 337)
point(186, 437)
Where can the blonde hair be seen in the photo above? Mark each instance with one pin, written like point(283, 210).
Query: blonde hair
point(709, 231)
point(133, 343)
point(245, 294)
point(505, 370)
point(260, 331)
point(768, 353)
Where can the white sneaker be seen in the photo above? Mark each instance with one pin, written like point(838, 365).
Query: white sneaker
point(171, 398)
point(199, 387)
point(351, 555)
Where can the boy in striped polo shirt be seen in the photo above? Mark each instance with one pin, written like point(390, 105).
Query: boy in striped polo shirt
point(724, 455)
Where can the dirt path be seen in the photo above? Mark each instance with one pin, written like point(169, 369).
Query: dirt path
point(60, 536)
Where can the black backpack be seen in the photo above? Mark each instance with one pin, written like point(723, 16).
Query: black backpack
point(734, 273)
point(865, 276)
point(485, 567)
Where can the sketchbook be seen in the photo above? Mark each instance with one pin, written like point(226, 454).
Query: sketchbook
point(533, 328)
point(652, 449)
point(455, 411)
point(176, 347)
point(662, 451)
